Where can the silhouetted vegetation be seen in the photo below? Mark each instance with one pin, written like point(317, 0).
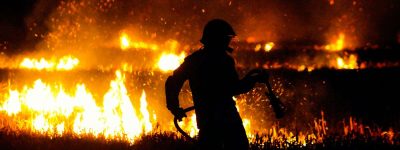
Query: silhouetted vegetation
point(172, 141)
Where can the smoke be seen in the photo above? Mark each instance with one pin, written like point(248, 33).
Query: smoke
point(53, 24)
point(90, 29)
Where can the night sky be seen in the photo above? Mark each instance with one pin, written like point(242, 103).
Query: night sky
point(365, 21)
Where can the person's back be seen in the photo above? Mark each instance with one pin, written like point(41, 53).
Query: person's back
point(213, 81)
point(211, 75)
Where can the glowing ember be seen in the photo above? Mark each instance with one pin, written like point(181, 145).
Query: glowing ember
point(64, 63)
point(49, 109)
point(338, 45)
point(169, 62)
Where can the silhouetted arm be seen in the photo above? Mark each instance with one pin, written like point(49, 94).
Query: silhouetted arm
point(173, 86)
point(244, 85)
point(240, 86)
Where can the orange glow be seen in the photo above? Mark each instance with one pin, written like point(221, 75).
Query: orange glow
point(246, 122)
point(64, 63)
point(349, 62)
point(268, 46)
point(126, 43)
point(246, 125)
point(251, 39)
point(257, 48)
point(169, 62)
point(331, 2)
point(189, 125)
point(125, 110)
point(78, 112)
point(303, 67)
point(145, 113)
point(338, 45)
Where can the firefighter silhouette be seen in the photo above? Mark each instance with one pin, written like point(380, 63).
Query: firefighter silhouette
point(213, 81)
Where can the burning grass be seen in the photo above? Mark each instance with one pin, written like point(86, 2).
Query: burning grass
point(24, 130)
point(21, 140)
point(307, 132)
point(353, 141)
point(320, 138)
point(88, 39)
point(278, 138)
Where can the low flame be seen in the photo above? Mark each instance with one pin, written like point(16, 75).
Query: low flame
point(64, 63)
point(118, 119)
point(169, 62)
point(331, 2)
point(145, 113)
point(126, 43)
point(245, 121)
point(189, 125)
point(349, 62)
point(267, 47)
point(338, 45)
point(49, 109)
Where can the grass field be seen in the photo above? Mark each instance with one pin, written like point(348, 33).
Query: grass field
point(171, 141)
point(365, 94)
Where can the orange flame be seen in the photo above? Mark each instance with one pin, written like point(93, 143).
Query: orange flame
point(64, 63)
point(49, 109)
point(338, 45)
point(169, 62)
point(189, 124)
point(267, 47)
point(126, 43)
point(349, 62)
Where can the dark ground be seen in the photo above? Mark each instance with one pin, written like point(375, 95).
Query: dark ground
point(372, 94)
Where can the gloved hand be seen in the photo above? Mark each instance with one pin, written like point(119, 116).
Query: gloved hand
point(179, 113)
point(277, 105)
point(259, 75)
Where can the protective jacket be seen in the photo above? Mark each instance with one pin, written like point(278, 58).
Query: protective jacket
point(213, 81)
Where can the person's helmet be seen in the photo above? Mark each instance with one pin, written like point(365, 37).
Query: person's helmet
point(215, 30)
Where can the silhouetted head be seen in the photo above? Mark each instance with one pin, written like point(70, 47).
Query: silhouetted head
point(217, 33)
